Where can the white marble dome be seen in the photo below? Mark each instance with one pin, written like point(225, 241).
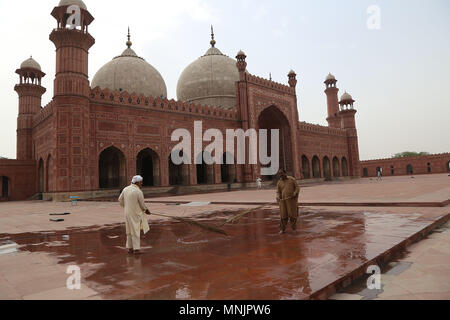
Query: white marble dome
point(79, 3)
point(130, 73)
point(30, 63)
point(330, 77)
point(346, 97)
point(210, 80)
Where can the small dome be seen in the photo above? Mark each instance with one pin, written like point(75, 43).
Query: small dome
point(79, 3)
point(210, 80)
point(30, 63)
point(130, 73)
point(241, 53)
point(291, 73)
point(346, 97)
point(330, 77)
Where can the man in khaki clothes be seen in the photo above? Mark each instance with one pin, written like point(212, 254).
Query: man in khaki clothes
point(132, 200)
point(288, 191)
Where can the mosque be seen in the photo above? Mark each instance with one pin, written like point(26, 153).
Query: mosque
point(95, 135)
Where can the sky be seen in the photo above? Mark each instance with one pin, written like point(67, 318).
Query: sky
point(392, 56)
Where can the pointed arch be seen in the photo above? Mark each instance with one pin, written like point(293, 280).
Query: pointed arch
point(148, 166)
point(228, 170)
point(273, 118)
point(179, 174)
point(336, 167)
point(344, 165)
point(316, 167)
point(41, 177)
point(306, 170)
point(5, 187)
point(112, 168)
point(326, 168)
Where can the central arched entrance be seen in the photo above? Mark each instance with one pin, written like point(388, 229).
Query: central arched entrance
point(112, 169)
point(272, 118)
point(148, 167)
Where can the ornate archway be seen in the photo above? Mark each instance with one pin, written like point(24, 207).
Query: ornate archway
point(336, 169)
point(112, 169)
point(306, 171)
point(41, 177)
point(5, 187)
point(228, 171)
point(205, 172)
point(344, 167)
point(49, 175)
point(178, 174)
point(326, 168)
point(365, 172)
point(148, 166)
point(272, 118)
point(316, 167)
point(409, 169)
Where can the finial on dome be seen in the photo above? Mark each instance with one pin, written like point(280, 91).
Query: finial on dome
point(129, 43)
point(213, 42)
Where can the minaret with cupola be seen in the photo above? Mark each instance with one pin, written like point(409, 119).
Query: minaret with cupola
point(30, 91)
point(332, 101)
point(76, 169)
point(347, 114)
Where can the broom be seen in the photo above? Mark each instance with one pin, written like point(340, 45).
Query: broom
point(239, 216)
point(194, 223)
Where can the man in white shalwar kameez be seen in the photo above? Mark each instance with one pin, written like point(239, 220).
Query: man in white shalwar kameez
point(132, 200)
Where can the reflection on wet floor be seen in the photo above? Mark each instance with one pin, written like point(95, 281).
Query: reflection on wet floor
point(181, 261)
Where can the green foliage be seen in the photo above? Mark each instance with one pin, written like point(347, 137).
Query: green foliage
point(407, 154)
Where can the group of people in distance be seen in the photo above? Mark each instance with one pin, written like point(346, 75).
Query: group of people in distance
point(132, 200)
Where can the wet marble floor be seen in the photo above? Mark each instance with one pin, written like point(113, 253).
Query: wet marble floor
point(182, 261)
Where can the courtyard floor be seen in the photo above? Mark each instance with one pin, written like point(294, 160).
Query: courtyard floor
point(335, 242)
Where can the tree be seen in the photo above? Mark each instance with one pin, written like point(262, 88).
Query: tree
point(407, 154)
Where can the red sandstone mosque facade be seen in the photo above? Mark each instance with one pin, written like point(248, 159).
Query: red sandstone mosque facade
point(94, 136)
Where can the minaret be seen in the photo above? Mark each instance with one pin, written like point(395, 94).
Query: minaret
point(332, 101)
point(76, 167)
point(347, 115)
point(30, 93)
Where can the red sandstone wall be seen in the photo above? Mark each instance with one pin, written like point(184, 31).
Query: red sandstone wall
point(133, 128)
point(437, 164)
point(22, 178)
point(315, 140)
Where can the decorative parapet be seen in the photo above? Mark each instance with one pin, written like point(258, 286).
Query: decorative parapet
point(315, 128)
point(160, 104)
point(269, 84)
point(45, 113)
point(430, 156)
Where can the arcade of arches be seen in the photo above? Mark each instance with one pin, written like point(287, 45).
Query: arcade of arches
point(324, 169)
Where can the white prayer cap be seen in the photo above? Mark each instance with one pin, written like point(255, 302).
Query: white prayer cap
point(137, 179)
